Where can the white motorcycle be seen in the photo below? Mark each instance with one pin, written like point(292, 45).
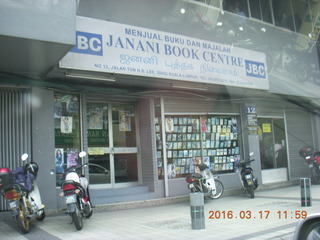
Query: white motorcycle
point(22, 193)
point(205, 182)
point(75, 189)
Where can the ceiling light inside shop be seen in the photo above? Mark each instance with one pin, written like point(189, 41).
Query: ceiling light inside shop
point(190, 87)
point(92, 77)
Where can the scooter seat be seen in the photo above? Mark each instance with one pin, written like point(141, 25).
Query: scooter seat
point(196, 175)
point(246, 171)
point(17, 186)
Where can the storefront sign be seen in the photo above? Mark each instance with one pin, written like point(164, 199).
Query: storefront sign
point(96, 151)
point(252, 120)
point(266, 128)
point(117, 48)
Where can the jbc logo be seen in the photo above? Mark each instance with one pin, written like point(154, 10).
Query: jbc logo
point(255, 69)
point(88, 43)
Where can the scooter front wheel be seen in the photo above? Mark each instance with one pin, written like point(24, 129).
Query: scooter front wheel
point(219, 190)
point(88, 210)
point(41, 216)
point(251, 193)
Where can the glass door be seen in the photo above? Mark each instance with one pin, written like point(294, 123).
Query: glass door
point(124, 143)
point(272, 143)
point(112, 145)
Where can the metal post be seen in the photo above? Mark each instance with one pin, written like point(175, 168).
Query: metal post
point(305, 184)
point(197, 210)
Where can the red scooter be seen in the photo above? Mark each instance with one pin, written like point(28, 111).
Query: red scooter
point(312, 157)
point(20, 190)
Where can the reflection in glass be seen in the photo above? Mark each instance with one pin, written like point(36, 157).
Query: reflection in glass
point(123, 123)
point(99, 169)
point(97, 117)
point(314, 234)
point(126, 167)
point(67, 132)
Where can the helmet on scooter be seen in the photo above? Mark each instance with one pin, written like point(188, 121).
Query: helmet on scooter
point(306, 151)
point(72, 176)
point(202, 166)
point(316, 155)
point(32, 167)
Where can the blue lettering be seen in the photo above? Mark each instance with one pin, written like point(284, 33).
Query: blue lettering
point(255, 69)
point(88, 43)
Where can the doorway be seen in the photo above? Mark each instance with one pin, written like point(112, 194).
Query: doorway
point(112, 144)
point(272, 141)
point(273, 150)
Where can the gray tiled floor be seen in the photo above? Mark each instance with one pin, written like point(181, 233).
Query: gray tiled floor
point(270, 215)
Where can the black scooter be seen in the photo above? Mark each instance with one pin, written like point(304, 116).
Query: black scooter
point(249, 181)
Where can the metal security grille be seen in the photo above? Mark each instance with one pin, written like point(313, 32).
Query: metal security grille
point(15, 128)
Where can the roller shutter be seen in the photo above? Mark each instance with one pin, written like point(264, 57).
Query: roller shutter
point(15, 128)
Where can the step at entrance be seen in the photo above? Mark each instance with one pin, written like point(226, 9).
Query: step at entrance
point(118, 195)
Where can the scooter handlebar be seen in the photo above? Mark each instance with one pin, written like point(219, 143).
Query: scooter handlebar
point(245, 162)
point(74, 169)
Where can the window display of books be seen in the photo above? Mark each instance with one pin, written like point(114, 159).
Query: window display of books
point(159, 148)
point(211, 139)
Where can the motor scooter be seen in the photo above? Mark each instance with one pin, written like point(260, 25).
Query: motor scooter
point(75, 189)
point(312, 157)
point(248, 180)
point(205, 182)
point(19, 188)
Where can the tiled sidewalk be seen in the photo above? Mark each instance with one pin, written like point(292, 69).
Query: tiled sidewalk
point(272, 214)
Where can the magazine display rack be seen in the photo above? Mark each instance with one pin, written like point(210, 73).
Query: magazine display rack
point(191, 140)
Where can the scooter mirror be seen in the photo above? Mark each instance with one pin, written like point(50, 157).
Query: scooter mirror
point(308, 228)
point(24, 156)
point(82, 154)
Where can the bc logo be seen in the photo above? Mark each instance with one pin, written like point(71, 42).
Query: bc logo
point(255, 69)
point(88, 43)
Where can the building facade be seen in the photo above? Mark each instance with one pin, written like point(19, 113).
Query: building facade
point(148, 88)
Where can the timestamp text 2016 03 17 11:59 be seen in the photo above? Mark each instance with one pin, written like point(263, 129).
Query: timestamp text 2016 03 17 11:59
point(262, 214)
